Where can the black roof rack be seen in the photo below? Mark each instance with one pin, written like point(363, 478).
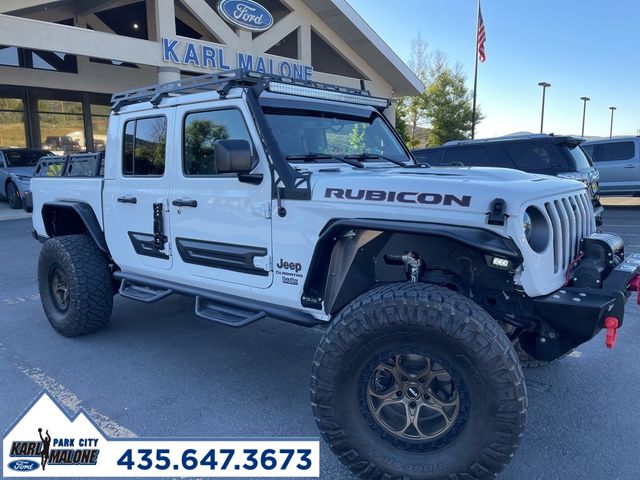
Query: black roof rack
point(221, 82)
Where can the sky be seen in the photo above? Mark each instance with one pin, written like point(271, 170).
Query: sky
point(582, 47)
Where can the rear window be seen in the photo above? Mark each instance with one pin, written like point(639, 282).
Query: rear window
point(535, 156)
point(432, 157)
point(24, 159)
point(609, 152)
point(583, 162)
point(468, 157)
point(144, 146)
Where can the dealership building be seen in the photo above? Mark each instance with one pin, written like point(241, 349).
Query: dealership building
point(61, 60)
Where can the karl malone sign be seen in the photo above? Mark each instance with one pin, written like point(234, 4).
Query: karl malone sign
point(214, 57)
point(244, 14)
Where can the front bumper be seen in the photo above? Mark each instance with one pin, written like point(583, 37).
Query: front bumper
point(572, 316)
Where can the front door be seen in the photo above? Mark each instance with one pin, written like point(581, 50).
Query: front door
point(221, 227)
point(136, 194)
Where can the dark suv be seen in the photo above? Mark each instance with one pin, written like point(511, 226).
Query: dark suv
point(560, 156)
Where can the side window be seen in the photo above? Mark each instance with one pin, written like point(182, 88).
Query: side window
point(145, 141)
point(468, 157)
point(534, 156)
point(428, 156)
point(202, 130)
point(590, 151)
point(609, 152)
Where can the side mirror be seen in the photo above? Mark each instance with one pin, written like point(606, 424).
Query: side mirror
point(233, 156)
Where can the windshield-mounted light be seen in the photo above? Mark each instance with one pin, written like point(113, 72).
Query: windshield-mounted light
point(325, 94)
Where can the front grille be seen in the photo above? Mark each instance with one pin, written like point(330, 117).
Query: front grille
point(571, 220)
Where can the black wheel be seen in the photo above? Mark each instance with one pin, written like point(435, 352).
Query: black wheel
point(414, 381)
point(75, 285)
point(528, 361)
point(13, 196)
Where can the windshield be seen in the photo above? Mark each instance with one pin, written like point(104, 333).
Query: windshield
point(318, 136)
point(582, 160)
point(23, 158)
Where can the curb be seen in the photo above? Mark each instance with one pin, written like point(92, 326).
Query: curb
point(15, 216)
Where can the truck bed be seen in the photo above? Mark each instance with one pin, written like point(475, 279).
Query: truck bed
point(71, 178)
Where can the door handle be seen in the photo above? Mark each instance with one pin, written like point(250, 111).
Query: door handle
point(184, 202)
point(126, 199)
point(629, 166)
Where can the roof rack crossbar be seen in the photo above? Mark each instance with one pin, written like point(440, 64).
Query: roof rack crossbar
point(224, 80)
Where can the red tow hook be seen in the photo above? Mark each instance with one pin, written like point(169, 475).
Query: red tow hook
point(611, 324)
point(634, 286)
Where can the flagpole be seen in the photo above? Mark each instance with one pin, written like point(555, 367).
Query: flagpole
point(475, 77)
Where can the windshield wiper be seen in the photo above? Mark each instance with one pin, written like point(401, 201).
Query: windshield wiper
point(309, 157)
point(374, 156)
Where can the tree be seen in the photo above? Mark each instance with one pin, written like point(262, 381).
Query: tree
point(448, 106)
point(423, 120)
point(401, 124)
point(413, 107)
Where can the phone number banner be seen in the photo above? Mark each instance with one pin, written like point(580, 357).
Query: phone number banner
point(46, 442)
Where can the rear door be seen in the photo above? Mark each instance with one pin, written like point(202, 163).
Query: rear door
point(221, 227)
point(136, 192)
point(618, 165)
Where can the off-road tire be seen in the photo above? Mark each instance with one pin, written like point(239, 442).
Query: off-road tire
point(453, 329)
point(527, 361)
point(12, 196)
point(89, 297)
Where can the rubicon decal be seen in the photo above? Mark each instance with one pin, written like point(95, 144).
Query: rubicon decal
point(424, 198)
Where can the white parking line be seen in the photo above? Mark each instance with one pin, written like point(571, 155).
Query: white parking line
point(73, 403)
point(20, 300)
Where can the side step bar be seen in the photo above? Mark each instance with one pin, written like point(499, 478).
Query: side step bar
point(226, 315)
point(142, 293)
point(220, 307)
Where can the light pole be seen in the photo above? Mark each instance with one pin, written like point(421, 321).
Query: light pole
point(584, 111)
point(613, 109)
point(544, 86)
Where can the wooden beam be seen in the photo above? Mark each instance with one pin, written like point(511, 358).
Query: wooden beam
point(212, 21)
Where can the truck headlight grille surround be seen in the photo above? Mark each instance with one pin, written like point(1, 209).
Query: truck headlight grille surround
point(536, 228)
point(326, 94)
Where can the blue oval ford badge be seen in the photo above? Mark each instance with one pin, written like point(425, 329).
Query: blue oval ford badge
point(23, 465)
point(246, 14)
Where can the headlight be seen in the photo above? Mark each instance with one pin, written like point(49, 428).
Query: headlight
point(536, 229)
point(526, 225)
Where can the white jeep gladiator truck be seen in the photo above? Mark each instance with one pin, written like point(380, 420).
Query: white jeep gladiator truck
point(266, 197)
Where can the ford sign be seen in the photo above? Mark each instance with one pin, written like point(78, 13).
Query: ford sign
point(246, 14)
point(23, 465)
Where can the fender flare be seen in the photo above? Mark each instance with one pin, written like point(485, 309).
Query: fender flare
point(482, 240)
point(86, 215)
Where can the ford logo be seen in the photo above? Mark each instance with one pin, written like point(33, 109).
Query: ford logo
point(23, 465)
point(246, 14)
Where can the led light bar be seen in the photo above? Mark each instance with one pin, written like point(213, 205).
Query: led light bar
point(325, 94)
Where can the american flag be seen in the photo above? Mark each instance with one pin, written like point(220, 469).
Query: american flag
point(482, 36)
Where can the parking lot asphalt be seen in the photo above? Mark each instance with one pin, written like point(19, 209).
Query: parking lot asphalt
point(160, 371)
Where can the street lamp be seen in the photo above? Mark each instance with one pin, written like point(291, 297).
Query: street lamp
point(584, 111)
point(544, 86)
point(613, 109)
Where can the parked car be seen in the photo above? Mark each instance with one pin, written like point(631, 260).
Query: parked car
point(16, 169)
point(61, 144)
point(560, 156)
point(618, 161)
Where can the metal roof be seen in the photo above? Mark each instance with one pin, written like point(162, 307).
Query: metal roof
point(352, 28)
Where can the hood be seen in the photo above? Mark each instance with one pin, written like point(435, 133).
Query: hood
point(22, 171)
point(471, 189)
